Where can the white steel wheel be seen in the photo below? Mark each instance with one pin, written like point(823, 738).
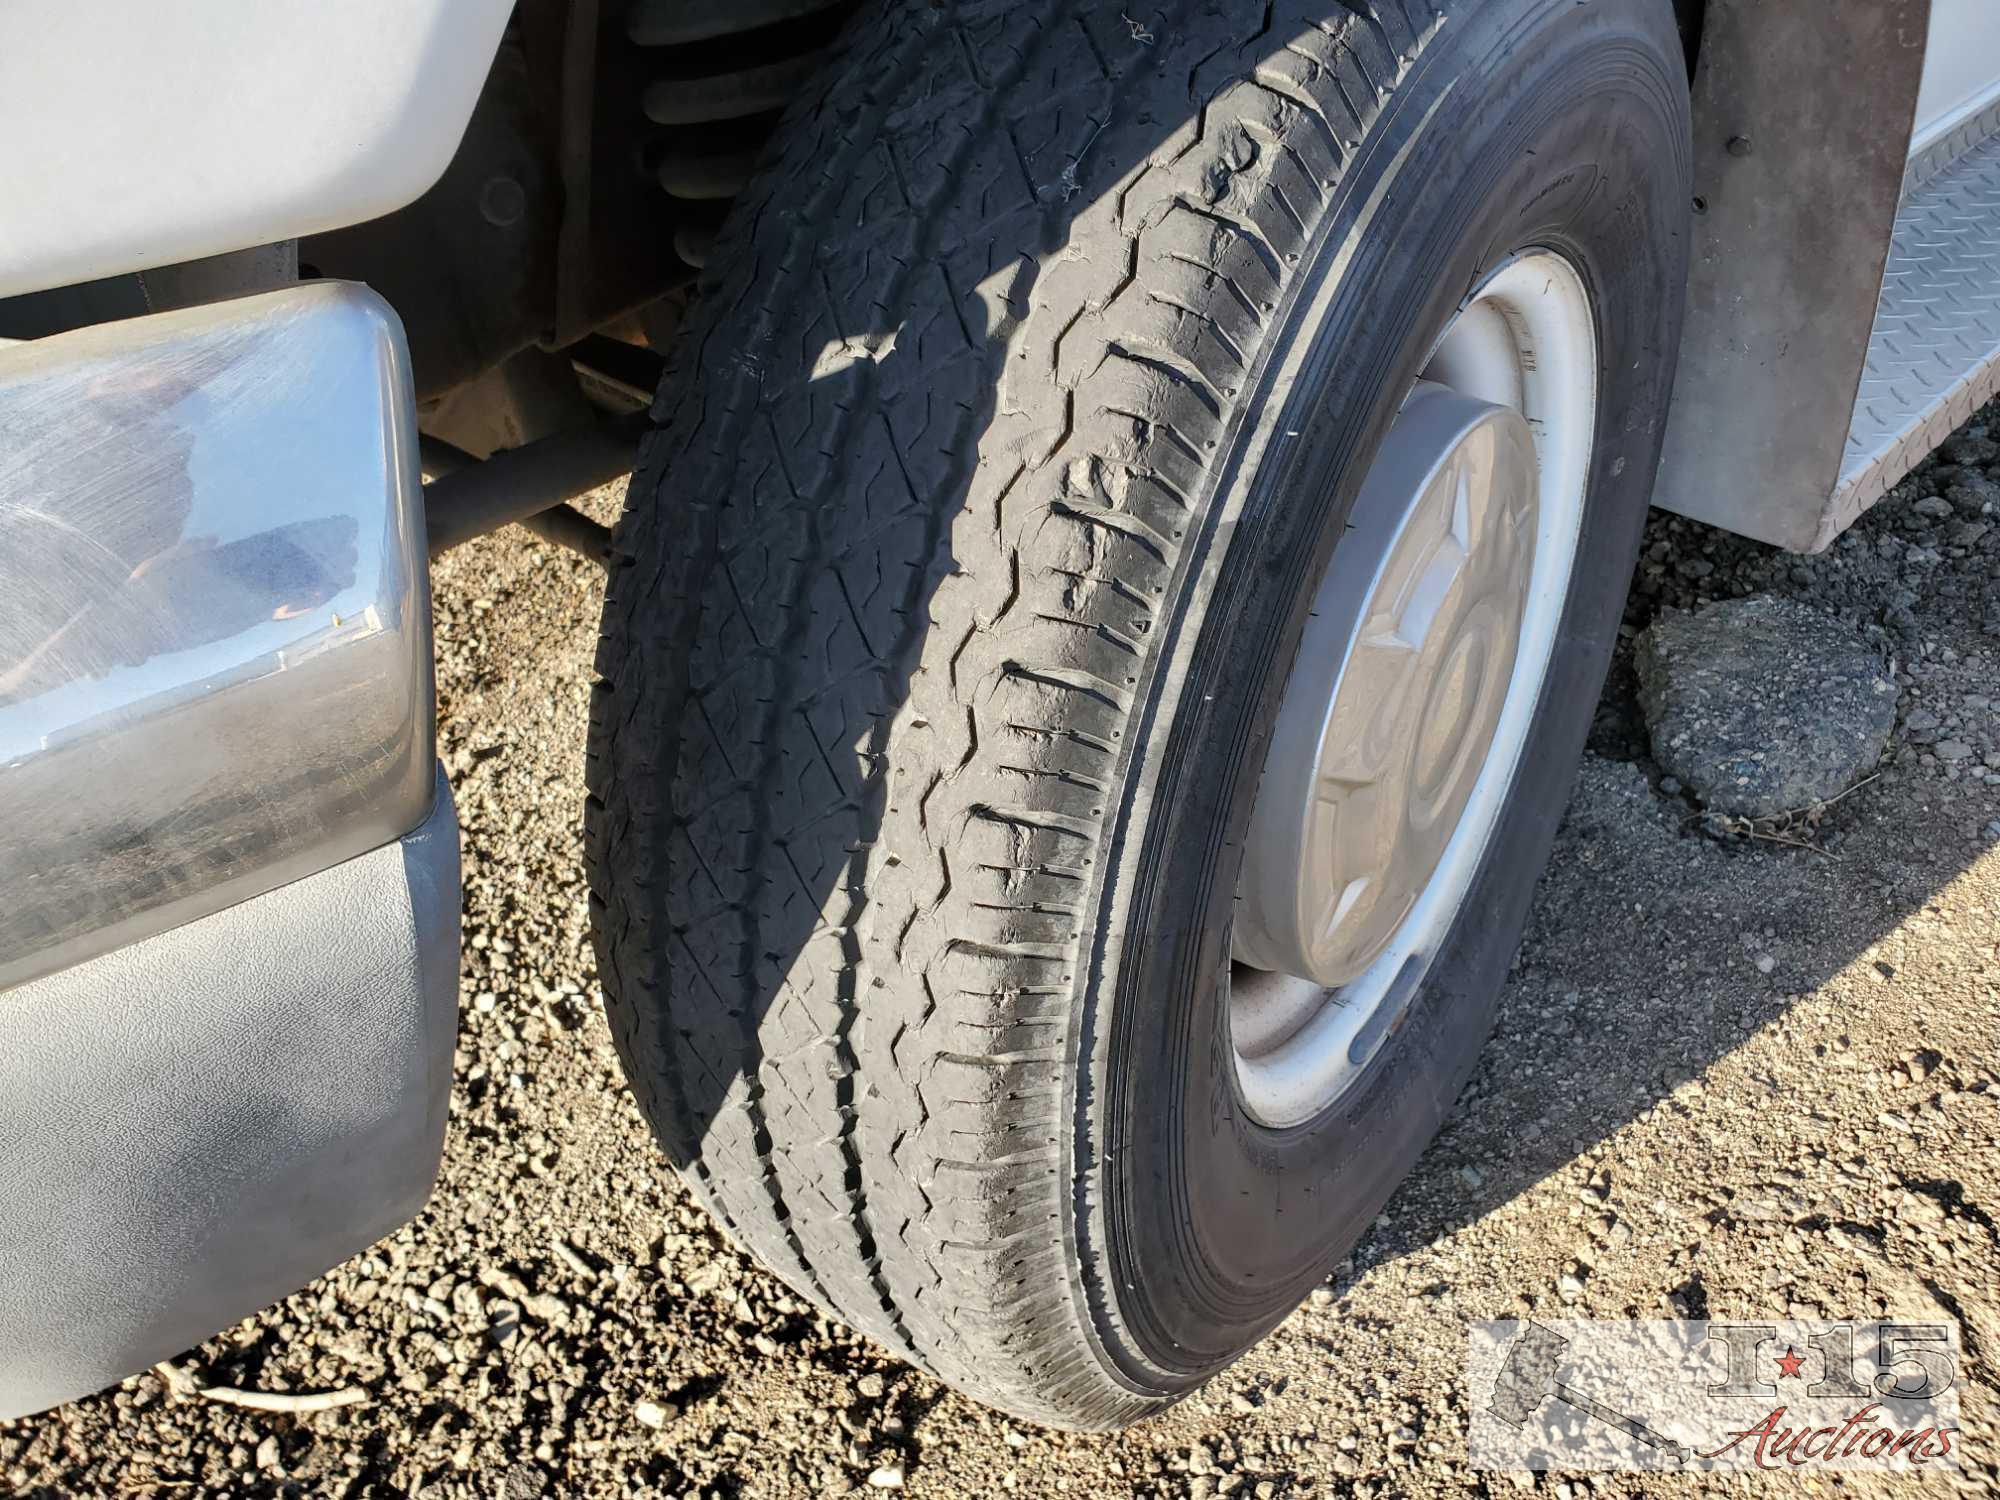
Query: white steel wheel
point(1416, 681)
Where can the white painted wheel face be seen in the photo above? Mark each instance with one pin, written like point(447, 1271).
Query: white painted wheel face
point(1416, 680)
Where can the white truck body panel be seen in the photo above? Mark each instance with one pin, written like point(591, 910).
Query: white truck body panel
point(142, 135)
point(1961, 67)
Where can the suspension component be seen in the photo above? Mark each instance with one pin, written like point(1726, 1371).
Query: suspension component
point(726, 70)
point(468, 497)
point(675, 23)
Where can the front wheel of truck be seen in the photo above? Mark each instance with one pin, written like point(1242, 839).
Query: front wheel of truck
point(1100, 639)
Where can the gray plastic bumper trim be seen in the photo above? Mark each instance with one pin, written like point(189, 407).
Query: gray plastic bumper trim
point(199, 1124)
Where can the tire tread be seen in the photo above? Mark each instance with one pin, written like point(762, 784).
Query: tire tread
point(852, 611)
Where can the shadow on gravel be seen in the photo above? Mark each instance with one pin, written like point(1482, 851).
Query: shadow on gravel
point(1653, 951)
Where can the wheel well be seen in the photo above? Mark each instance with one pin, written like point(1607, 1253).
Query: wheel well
point(1689, 14)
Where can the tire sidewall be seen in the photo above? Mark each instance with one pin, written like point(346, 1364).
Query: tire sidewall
point(1526, 124)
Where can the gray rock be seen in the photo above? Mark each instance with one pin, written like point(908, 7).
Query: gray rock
point(1762, 705)
point(1971, 444)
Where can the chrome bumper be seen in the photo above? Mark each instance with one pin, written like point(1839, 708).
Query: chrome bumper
point(215, 654)
point(229, 938)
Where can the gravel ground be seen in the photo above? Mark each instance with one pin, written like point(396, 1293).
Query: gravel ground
point(1732, 1077)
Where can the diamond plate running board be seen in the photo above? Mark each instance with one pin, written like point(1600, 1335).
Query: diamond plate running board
point(1934, 356)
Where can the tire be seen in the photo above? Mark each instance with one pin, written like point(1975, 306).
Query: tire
point(953, 603)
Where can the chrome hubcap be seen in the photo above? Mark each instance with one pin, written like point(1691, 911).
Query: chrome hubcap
point(1416, 679)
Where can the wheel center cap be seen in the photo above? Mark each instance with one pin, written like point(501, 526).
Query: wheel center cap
point(1391, 708)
